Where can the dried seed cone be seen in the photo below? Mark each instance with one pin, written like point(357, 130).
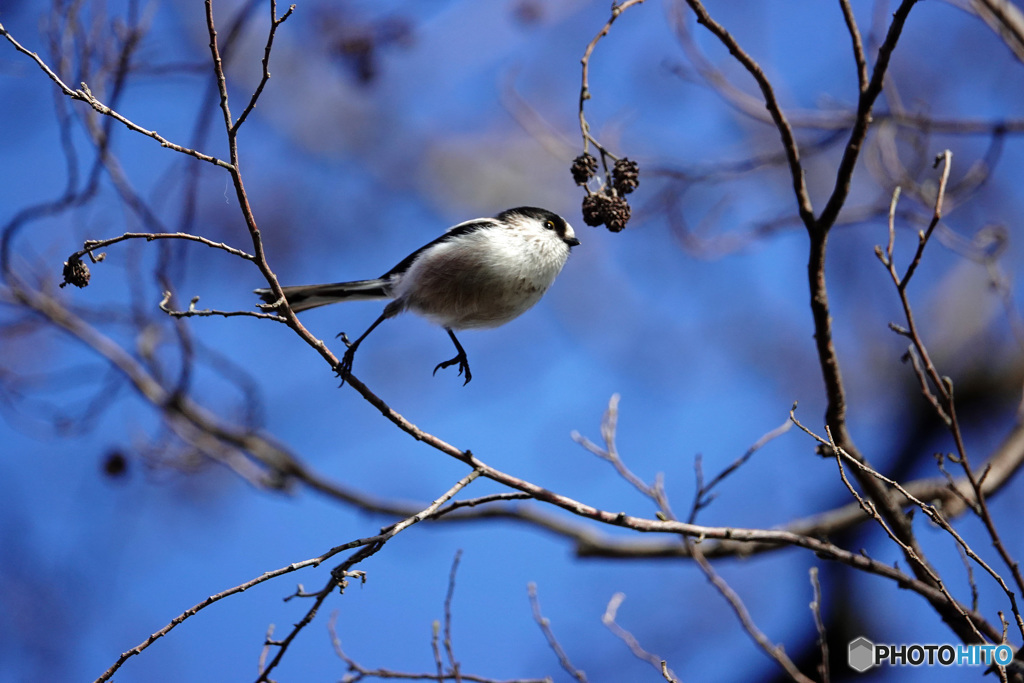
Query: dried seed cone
point(617, 213)
point(583, 168)
point(625, 176)
point(75, 273)
point(594, 209)
point(601, 209)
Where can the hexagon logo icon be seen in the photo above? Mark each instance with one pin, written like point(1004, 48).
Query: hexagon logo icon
point(861, 656)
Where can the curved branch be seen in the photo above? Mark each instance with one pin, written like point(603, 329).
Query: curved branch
point(803, 198)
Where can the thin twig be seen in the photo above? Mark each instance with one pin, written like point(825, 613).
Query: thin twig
point(865, 104)
point(789, 144)
point(194, 312)
point(970, 576)
point(943, 400)
point(192, 611)
point(617, 10)
point(265, 650)
point(85, 95)
point(275, 21)
point(819, 625)
point(367, 549)
point(933, 514)
point(610, 453)
point(776, 652)
point(609, 620)
point(946, 158)
point(449, 647)
point(545, 627)
point(858, 45)
point(703, 496)
point(92, 245)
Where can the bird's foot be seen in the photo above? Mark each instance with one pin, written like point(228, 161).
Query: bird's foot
point(344, 368)
point(463, 362)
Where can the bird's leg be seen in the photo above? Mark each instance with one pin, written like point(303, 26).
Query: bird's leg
point(460, 358)
point(344, 368)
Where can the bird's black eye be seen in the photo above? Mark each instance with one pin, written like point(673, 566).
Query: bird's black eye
point(549, 224)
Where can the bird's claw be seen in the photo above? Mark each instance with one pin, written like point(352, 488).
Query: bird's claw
point(463, 362)
point(344, 368)
point(344, 340)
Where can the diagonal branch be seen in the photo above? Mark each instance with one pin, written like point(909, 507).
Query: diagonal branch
point(776, 652)
point(796, 170)
point(275, 21)
point(85, 95)
point(369, 548)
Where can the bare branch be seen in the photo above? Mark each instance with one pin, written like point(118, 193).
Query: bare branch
point(942, 399)
point(449, 648)
point(865, 104)
point(933, 514)
point(545, 627)
point(85, 95)
point(858, 45)
point(946, 158)
point(819, 625)
point(702, 498)
point(617, 10)
point(275, 21)
point(189, 421)
point(266, 576)
point(789, 144)
point(368, 547)
point(92, 245)
point(194, 312)
point(776, 652)
point(609, 423)
point(608, 619)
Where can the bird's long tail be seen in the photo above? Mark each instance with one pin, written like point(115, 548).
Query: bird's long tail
point(304, 297)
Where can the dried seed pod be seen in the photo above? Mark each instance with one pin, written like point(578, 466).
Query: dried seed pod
point(625, 176)
point(583, 168)
point(75, 273)
point(594, 209)
point(616, 213)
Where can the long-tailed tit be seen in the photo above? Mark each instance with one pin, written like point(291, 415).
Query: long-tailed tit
point(481, 273)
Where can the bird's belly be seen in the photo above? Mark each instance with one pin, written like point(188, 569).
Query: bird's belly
point(469, 299)
point(468, 307)
point(460, 292)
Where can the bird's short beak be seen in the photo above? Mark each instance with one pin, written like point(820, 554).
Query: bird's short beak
point(572, 242)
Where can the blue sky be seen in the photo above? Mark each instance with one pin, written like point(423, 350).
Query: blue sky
point(472, 112)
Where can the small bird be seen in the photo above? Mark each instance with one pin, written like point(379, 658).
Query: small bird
point(481, 273)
